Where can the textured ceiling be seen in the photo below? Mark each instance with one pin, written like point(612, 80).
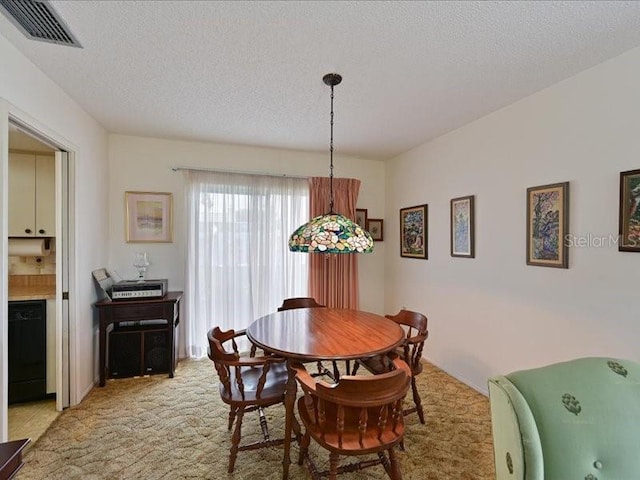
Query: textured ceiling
point(251, 72)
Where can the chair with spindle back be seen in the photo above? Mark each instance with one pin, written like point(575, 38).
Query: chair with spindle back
point(246, 384)
point(309, 302)
point(299, 302)
point(410, 351)
point(360, 415)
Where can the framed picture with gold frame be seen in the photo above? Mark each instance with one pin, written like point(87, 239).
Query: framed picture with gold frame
point(148, 217)
point(629, 212)
point(547, 225)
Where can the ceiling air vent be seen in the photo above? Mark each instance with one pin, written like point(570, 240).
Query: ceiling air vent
point(39, 21)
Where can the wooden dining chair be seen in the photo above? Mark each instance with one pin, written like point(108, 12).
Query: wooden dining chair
point(309, 302)
point(246, 384)
point(360, 415)
point(299, 302)
point(415, 325)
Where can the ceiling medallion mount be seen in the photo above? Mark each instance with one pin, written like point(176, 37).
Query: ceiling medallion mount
point(332, 79)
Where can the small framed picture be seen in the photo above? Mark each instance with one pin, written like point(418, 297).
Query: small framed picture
point(361, 217)
point(629, 214)
point(547, 225)
point(413, 232)
point(375, 226)
point(462, 227)
point(148, 217)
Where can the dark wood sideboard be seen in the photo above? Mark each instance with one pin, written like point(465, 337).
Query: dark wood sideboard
point(11, 457)
point(132, 323)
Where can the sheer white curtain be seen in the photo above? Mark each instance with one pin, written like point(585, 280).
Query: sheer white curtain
point(238, 262)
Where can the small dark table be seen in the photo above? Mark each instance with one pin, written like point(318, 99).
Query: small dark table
point(11, 458)
point(165, 308)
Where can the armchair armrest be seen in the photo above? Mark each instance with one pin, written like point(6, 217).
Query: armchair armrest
point(256, 361)
point(416, 339)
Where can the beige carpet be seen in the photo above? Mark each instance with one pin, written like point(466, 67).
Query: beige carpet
point(160, 428)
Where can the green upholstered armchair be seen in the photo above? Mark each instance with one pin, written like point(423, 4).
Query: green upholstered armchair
point(575, 420)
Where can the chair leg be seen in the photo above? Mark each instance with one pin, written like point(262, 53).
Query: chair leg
point(336, 372)
point(235, 440)
point(263, 424)
point(347, 367)
point(232, 416)
point(417, 400)
point(333, 465)
point(395, 472)
point(304, 448)
point(385, 462)
point(297, 431)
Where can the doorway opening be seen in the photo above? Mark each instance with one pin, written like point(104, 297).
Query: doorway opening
point(39, 276)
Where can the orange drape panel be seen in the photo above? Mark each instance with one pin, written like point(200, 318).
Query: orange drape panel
point(333, 278)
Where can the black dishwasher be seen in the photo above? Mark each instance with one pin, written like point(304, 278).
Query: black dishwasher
point(27, 350)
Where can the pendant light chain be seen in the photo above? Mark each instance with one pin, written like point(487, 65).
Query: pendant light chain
point(331, 233)
point(331, 158)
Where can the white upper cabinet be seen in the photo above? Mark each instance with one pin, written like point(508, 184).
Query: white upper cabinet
point(32, 199)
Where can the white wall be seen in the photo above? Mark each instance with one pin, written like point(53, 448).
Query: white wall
point(144, 164)
point(494, 314)
point(30, 95)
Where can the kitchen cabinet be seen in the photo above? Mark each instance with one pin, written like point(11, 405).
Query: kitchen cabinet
point(32, 197)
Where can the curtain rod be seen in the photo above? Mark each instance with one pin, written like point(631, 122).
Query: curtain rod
point(218, 170)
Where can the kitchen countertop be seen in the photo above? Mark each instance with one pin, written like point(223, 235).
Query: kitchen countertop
point(40, 292)
point(32, 287)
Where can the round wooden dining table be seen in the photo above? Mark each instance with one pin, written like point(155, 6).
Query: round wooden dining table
point(308, 334)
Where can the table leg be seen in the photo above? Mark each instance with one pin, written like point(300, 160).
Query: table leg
point(289, 404)
point(102, 352)
point(174, 336)
point(172, 355)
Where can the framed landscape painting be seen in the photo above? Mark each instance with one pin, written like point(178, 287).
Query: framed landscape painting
point(547, 225)
point(148, 217)
point(629, 214)
point(413, 232)
point(462, 227)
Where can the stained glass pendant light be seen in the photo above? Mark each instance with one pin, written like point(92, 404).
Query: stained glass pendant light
point(331, 232)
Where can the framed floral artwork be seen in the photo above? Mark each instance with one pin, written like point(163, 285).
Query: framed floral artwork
point(547, 225)
point(148, 217)
point(413, 232)
point(462, 227)
point(375, 226)
point(629, 212)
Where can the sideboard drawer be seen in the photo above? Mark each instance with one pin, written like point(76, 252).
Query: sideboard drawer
point(135, 312)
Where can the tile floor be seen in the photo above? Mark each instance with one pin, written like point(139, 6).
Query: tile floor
point(31, 419)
